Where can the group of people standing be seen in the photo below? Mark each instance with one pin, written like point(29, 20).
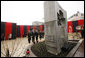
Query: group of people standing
point(80, 28)
point(34, 34)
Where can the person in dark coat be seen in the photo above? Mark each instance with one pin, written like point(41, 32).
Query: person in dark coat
point(7, 53)
point(43, 34)
point(29, 36)
point(40, 35)
point(36, 34)
point(33, 36)
point(2, 36)
point(82, 31)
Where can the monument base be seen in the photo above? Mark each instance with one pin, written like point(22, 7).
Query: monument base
point(53, 50)
point(39, 49)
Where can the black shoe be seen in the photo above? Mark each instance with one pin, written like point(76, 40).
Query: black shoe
point(34, 42)
point(37, 41)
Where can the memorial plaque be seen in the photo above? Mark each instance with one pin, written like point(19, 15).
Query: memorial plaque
point(55, 26)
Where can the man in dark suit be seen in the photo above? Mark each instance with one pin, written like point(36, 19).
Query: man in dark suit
point(40, 35)
point(36, 34)
point(2, 36)
point(43, 34)
point(82, 31)
point(33, 36)
point(29, 36)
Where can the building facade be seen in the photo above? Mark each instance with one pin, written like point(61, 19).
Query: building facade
point(36, 23)
point(74, 21)
point(77, 16)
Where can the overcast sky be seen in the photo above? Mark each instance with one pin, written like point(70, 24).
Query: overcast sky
point(25, 12)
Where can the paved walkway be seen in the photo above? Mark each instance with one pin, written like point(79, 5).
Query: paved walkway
point(20, 45)
point(80, 51)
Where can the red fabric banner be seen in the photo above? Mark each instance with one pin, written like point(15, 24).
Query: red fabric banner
point(8, 29)
point(41, 28)
point(81, 22)
point(21, 30)
point(70, 26)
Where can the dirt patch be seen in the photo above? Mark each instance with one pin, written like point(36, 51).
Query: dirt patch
point(39, 49)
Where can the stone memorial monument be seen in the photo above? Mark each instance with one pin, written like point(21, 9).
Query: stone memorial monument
point(55, 26)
